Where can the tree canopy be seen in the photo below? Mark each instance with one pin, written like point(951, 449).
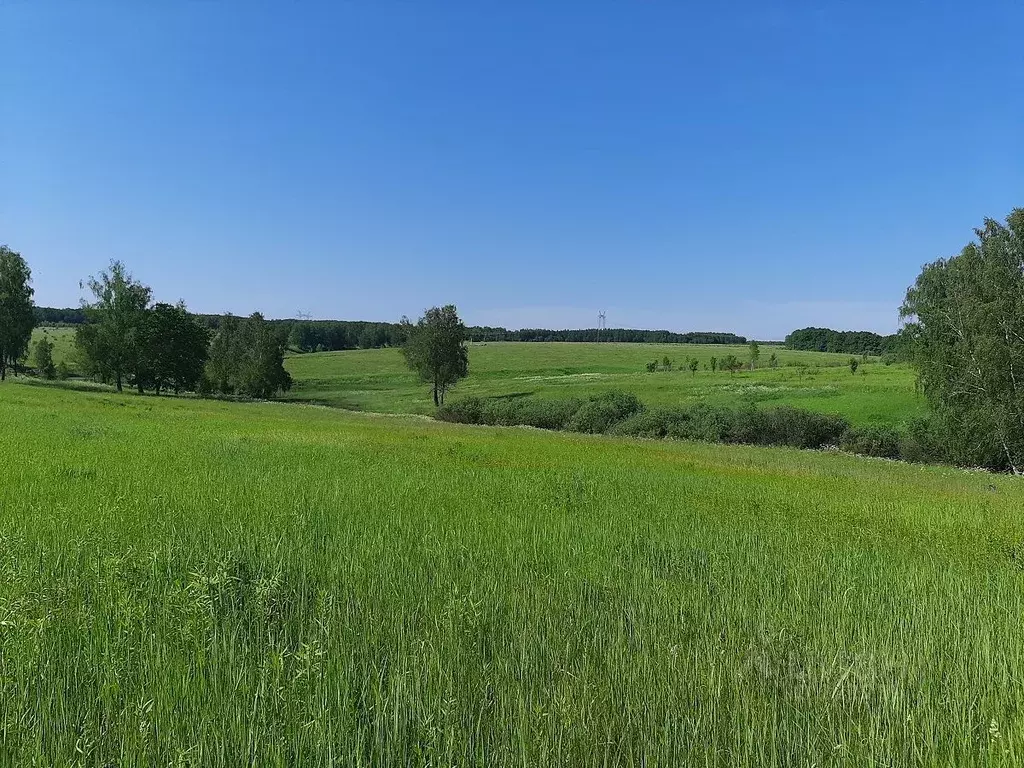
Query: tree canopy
point(16, 317)
point(113, 340)
point(966, 330)
point(435, 347)
point(174, 349)
point(247, 358)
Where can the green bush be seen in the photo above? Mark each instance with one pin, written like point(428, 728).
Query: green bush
point(600, 413)
point(547, 414)
point(466, 410)
point(924, 442)
point(622, 413)
point(651, 424)
point(788, 426)
point(883, 442)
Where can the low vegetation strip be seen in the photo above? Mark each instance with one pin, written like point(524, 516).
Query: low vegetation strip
point(622, 413)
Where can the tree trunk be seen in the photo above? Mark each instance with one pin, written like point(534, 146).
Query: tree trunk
point(118, 379)
point(436, 403)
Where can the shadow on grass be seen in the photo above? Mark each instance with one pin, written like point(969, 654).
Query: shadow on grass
point(511, 396)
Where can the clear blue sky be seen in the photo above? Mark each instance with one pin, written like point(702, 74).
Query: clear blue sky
point(746, 166)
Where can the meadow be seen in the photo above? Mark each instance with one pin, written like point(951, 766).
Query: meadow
point(200, 583)
point(63, 339)
point(378, 379)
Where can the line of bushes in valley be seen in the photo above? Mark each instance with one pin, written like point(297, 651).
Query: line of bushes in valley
point(622, 413)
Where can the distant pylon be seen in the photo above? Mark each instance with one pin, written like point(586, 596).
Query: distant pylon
point(601, 323)
point(305, 315)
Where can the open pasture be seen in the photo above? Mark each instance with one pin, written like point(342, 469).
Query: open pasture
point(378, 380)
point(201, 583)
point(63, 338)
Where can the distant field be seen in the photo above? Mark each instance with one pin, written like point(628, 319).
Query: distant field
point(63, 339)
point(378, 380)
point(199, 583)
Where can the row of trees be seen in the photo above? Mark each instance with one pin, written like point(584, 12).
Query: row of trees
point(163, 347)
point(127, 339)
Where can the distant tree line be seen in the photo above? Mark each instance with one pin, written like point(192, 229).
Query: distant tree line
point(631, 335)
point(333, 335)
point(843, 342)
point(56, 316)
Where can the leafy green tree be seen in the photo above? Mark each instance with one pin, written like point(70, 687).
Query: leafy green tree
point(666, 363)
point(113, 339)
point(16, 316)
point(966, 335)
point(220, 364)
point(714, 364)
point(175, 349)
point(755, 354)
point(247, 358)
point(435, 347)
point(854, 363)
point(63, 371)
point(773, 361)
point(43, 353)
point(693, 364)
point(259, 361)
point(652, 366)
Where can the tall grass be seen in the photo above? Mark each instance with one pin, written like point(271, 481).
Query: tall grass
point(203, 583)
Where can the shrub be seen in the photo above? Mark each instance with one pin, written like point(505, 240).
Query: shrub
point(622, 413)
point(924, 442)
point(883, 442)
point(652, 366)
point(63, 371)
point(467, 410)
point(599, 413)
point(798, 428)
point(656, 423)
point(547, 414)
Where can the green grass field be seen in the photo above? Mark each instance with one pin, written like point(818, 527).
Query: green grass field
point(378, 380)
point(189, 582)
point(63, 339)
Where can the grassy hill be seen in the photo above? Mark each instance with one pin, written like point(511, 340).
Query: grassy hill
point(378, 380)
point(191, 582)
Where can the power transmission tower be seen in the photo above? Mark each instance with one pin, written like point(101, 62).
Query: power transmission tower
point(601, 324)
point(305, 315)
